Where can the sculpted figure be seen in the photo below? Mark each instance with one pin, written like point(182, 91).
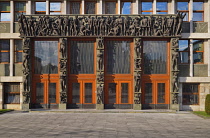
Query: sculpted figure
point(65, 26)
point(71, 27)
point(180, 18)
point(119, 24)
point(138, 48)
point(126, 26)
point(100, 90)
point(59, 22)
point(100, 60)
point(96, 25)
point(174, 82)
point(26, 96)
point(175, 54)
point(102, 26)
point(100, 43)
point(144, 26)
point(137, 98)
point(137, 80)
point(89, 22)
point(63, 83)
point(108, 22)
point(76, 24)
point(169, 26)
point(138, 63)
point(26, 81)
point(158, 27)
point(175, 98)
point(100, 77)
point(63, 48)
point(20, 23)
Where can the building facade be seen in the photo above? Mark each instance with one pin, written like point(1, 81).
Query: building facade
point(102, 54)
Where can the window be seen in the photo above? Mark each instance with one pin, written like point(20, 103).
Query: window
point(183, 7)
point(4, 11)
point(198, 51)
point(198, 12)
point(162, 7)
point(20, 8)
point(55, 8)
point(184, 51)
point(12, 93)
point(110, 8)
point(4, 51)
point(126, 8)
point(90, 7)
point(75, 7)
point(146, 8)
point(40, 7)
point(190, 94)
point(18, 51)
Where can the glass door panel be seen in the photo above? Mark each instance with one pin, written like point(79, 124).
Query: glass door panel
point(75, 92)
point(161, 93)
point(39, 92)
point(124, 92)
point(88, 89)
point(52, 93)
point(112, 92)
point(148, 93)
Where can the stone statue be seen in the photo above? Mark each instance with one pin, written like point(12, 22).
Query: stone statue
point(100, 77)
point(65, 31)
point(100, 90)
point(138, 47)
point(138, 63)
point(100, 60)
point(63, 97)
point(26, 97)
point(137, 97)
point(63, 48)
point(100, 43)
point(137, 81)
point(63, 83)
point(175, 53)
point(174, 82)
point(26, 82)
point(180, 18)
point(175, 98)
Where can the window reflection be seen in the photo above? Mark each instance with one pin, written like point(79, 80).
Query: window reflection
point(40, 7)
point(46, 57)
point(55, 8)
point(126, 8)
point(110, 7)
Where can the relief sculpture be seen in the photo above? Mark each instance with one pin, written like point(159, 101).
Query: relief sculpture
point(100, 25)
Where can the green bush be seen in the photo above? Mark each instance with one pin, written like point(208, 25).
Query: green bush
point(207, 104)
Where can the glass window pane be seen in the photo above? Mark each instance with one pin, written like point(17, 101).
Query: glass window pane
point(18, 45)
point(155, 57)
point(161, 12)
point(118, 57)
point(197, 16)
point(55, 6)
point(12, 98)
point(75, 8)
point(52, 92)
point(55, 13)
point(124, 92)
point(18, 57)
point(4, 6)
point(198, 57)
point(161, 92)
point(46, 57)
point(4, 44)
point(197, 45)
point(190, 99)
point(186, 18)
point(39, 92)
point(162, 6)
point(110, 7)
point(148, 93)
point(184, 57)
point(183, 45)
point(4, 57)
point(112, 92)
point(40, 6)
point(197, 6)
point(90, 7)
point(5, 16)
point(88, 92)
point(146, 6)
point(146, 13)
point(20, 6)
point(82, 57)
point(126, 8)
point(182, 6)
point(76, 93)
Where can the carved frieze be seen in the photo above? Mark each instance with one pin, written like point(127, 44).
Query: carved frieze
point(101, 25)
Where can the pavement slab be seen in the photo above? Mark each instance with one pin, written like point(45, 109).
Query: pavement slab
point(103, 125)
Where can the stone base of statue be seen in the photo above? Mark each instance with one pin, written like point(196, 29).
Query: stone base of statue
point(62, 106)
point(25, 107)
point(99, 106)
point(136, 106)
point(174, 107)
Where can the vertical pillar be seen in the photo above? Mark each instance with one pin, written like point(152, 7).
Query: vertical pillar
point(28, 7)
point(208, 7)
point(208, 45)
point(1, 96)
point(173, 7)
point(174, 86)
point(137, 73)
point(63, 72)
point(100, 74)
point(100, 6)
point(26, 74)
point(47, 7)
point(191, 15)
point(11, 16)
point(83, 6)
point(154, 6)
point(191, 58)
point(65, 7)
point(118, 7)
point(11, 56)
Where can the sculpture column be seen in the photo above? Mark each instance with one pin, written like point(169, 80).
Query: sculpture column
point(100, 74)
point(26, 74)
point(174, 85)
point(137, 73)
point(63, 73)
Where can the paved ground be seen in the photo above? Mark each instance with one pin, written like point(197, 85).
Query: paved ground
point(110, 125)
